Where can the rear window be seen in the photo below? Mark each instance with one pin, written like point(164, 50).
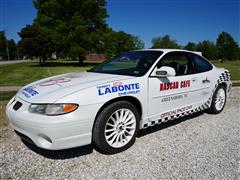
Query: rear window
point(201, 64)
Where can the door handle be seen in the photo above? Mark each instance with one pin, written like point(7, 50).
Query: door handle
point(205, 80)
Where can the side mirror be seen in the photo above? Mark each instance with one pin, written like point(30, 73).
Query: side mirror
point(164, 71)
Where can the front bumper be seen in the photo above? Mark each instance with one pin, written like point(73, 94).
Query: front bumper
point(52, 132)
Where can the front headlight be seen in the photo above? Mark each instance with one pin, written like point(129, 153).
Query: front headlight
point(52, 109)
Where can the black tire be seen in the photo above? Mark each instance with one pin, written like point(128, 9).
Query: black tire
point(213, 109)
point(98, 137)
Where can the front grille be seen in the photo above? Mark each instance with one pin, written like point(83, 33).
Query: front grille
point(17, 105)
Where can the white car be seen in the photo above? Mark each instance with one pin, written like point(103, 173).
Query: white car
point(108, 104)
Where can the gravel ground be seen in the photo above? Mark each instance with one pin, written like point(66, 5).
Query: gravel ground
point(202, 146)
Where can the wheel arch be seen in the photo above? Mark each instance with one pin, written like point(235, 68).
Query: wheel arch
point(224, 84)
point(133, 100)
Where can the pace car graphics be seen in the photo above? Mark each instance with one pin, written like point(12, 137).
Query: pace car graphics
point(174, 85)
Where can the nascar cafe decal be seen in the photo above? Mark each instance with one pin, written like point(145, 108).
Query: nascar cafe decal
point(174, 85)
point(118, 87)
point(29, 92)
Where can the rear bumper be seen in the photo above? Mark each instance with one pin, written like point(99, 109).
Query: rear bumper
point(52, 132)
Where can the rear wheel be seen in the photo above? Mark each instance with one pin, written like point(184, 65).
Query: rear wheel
point(116, 127)
point(218, 100)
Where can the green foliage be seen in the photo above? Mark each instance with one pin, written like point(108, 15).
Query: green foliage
point(116, 42)
point(74, 28)
point(208, 49)
point(74, 25)
point(12, 49)
point(227, 47)
point(10, 44)
point(164, 42)
point(3, 52)
point(36, 41)
point(191, 46)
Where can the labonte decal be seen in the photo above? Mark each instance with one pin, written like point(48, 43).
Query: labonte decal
point(120, 88)
point(174, 85)
point(29, 92)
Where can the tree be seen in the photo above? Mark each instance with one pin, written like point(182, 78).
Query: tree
point(227, 47)
point(35, 42)
point(208, 49)
point(8, 48)
point(3, 50)
point(75, 25)
point(116, 42)
point(164, 42)
point(13, 54)
point(191, 46)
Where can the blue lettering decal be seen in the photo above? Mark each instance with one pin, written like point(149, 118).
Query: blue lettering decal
point(29, 90)
point(127, 86)
point(137, 86)
point(123, 89)
point(107, 90)
point(99, 92)
point(114, 89)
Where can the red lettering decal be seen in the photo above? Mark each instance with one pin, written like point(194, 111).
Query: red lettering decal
point(161, 87)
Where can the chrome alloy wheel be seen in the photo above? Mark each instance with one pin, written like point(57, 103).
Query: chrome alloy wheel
point(220, 99)
point(120, 128)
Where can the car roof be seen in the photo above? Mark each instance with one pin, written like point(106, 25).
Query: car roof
point(170, 50)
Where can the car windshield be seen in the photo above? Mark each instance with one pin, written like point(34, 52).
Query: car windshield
point(133, 63)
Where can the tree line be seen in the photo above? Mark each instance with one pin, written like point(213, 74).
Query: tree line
point(225, 48)
point(73, 28)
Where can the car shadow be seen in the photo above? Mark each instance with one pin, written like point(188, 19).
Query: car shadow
point(85, 150)
point(60, 154)
point(165, 125)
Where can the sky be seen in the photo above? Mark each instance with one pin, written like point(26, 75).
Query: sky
point(184, 20)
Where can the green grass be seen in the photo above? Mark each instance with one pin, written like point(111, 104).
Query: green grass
point(232, 66)
point(5, 96)
point(24, 73)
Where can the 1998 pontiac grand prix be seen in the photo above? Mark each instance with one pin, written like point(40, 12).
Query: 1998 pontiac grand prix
point(108, 104)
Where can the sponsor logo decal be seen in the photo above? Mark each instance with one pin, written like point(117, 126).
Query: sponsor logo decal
point(54, 81)
point(120, 88)
point(174, 85)
point(29, 92)
point(176, 111)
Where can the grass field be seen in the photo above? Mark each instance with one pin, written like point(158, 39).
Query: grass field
point(24, 73)
point(232, 66)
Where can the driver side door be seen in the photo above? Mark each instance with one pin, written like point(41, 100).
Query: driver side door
point(171, 95)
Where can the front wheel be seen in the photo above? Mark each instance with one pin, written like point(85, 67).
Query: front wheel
point(218, 100)
point(116, 127)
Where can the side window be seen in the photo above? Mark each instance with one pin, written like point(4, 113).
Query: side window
point(181, 62)
point(200, 64)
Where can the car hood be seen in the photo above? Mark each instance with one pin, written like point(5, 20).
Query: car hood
point(53, 88)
